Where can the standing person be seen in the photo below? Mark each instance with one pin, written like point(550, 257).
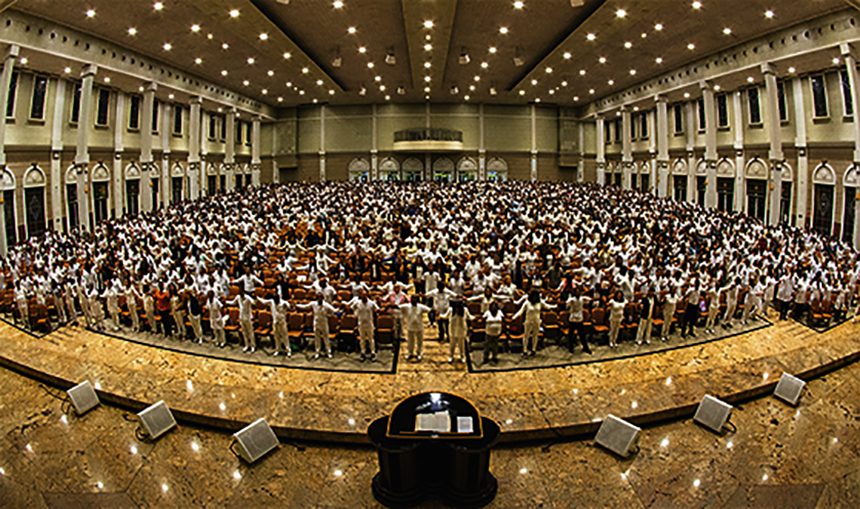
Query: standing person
point(394, 300)
point(754, 300)
point(669, 306)
point(149, 309)
point(162, 306)
point(785, 294)
point(321, 310)
point(111, 296)
point(532, 309)
point(575, 304)
point(194, 312)
point(494, 318)
point(413, 315)
point(616, 314)
point(643, 331)
point(441, 305)
point(713, 307)
point(691, 312)
point(177, 311)
point(85, 306)
point(216, 318)
point(279, 308)
point(23, 305)
point(69, 298)
point(731, 302)
point(131, 296)
point(459, 317)
point(97, 312)
point(246, 314)
point(364, 309)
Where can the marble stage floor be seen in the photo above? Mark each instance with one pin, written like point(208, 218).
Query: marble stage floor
point(538, 404)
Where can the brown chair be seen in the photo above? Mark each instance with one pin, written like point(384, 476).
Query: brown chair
point(347, 330)
point(598, 322)
point(232, 325)
point(515, 331)
point(550, 325)
point(264, 323)
point(296, 328)
point(385, 329)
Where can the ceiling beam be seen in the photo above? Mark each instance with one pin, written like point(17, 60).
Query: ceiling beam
point(251, 23)
point(441, 13)
point(5, 4)
point(853, 3)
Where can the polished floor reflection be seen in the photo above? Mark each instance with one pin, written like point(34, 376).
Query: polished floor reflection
point(780, 457)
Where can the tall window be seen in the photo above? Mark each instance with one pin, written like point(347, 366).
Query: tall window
point(755, 106)
point(846, 94)
point(618, 130)
point(223, 121)
point(40, 89)
point(248, 133)
point(237, 128)
point(76, 104)
point(643, 130)
point(213, 126)
point(134, 113)
point(679, 119)
point(607, 132)
point(177, 119)
point(103, 107)
point(634, 119)
point(819, 96)
point(10, 101)
point(780, 99)
point(155, 116)
point(722, 110)
point(703, 121)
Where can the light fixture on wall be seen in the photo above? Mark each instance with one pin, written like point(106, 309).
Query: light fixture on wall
point(518, 59)
point(401, 90)
point(389, 57)
point(362, 91)
point(337, 61)
point(454, 90)
point(493, 89)
point(464, 57)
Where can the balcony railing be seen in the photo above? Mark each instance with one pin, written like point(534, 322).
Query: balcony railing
point(428, 134)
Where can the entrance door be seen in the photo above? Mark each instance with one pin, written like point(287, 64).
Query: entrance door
point(155, 187)
point(701, 190)
point(132, 193)
point(644, 182)
point(100, 201)
point(756, 198)
point(211, 184)
point(177, 189)
point(467, 176)
point(785, 204)
point(35, 200)
point(822, 219)
point(72, 203)
point(223, 182)
point(725, 194)
point(679, 187)
point(9, 209)
point(442, 176)
point(848, 215)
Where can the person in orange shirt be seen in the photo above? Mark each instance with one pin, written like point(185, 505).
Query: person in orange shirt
point(162, 307)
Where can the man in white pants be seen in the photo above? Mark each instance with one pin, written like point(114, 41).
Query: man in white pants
point(216, 318)
point(321, 310)
point(279, 324)
point(246, 305)
point(413, 315)
point(364, 309)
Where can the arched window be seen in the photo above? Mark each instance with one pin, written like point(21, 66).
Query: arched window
point(34, 200)
point(7, 185)
point(823, 198)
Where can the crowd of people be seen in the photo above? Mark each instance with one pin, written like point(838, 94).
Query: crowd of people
point(425, 250)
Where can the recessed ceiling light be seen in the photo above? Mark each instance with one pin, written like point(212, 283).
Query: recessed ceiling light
point(370, 65)
point(518, 4)
point(158, 6)
point(167, 46)
point(280, 99)
point(658, 27)
point(319, 83)
point(426, 89)
point(428, 47)
point(768, 14)
point(362, 49)
point(567, 55)
point(67, 70)
point(301, 92)
point(621, 13)
point(697, 5)
point(315, 100)
point(636, 108)
point(691, 46)
point(644, 35)
point(198, 61)
point(427, 65)
point(727, 31)
point(304, 70)
point(576, 98)
point(427, 79)
point(477, 78)
point(209, 36)
point(388, 98)
point(632, 72)
point(602, 60)
point(472, 88)
point(91, 13)
point(132, 31)
point(225, 46)
point(337, 4)
point(428, 37)
point(591, 91)
point(264, 36)
point(564, 83)
point(246, 83)
point(287, 55)
point(591, 37)
point(791, 70)
point(582, 72)
point(331, 92)
point(484, 65)
point(466, 97)
point(382, 88)
point(537, 100)
point(522, 92)
point(503, 30)
point(234, 13)
point(551, 92)
point(289, 84)
point(611, 82)
point(428, 23)
point(836, 61)
point(686, 95)
point(628, 45)
point(271, 73)
point(224, 73)
point(195, 28)
point(377, 78)
point(251, 61)
point(549, 70)
point(493, 49)
point(171, 96)
point(351, 30)
point(659, 60)
point(717, 88)
point(107, 80)
point(534, 82)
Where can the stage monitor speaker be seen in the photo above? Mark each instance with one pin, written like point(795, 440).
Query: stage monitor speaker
point(713, 413)
point(157, 420)
point(83, 397)
point(255, 440)
point(789, 388)
point(617, 435)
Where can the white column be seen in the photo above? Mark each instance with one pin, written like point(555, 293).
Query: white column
point(740, 159)
point(6, 79)
point(118, 146)
point(534, 152)
point(322, 143)
point(626, 150)
point(56, 155)
point(82, 158)
point(652, 152)
point(374, 154)
point(195, 168)
point(710, 145)
point(580, 175)
point(601, 150)
point(801, 189)
point(851, 64)
point(692, 129)
point(256, 161)
point(482, 152)
point(146, 163)
point(661, 132)
point(771, 117)
point(165, 195)
point(230, 149)
point(276, 174)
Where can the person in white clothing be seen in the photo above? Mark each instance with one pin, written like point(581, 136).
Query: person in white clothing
point(459, 318)
point(216, 318)
point(321, 310)
point(364, 309)
point(493, 330)
point(131, 296)
point(616, 314)
point(532, 309)
point(246, 305)
point(279, 324)
point(643, 331)
point(413, 314)
point(111, 296)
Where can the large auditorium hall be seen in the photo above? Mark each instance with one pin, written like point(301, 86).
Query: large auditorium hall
point(429, 253)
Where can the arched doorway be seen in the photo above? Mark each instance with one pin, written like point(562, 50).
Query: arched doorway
point(359, 170)
point(211, 179)
point(756, 184)
point(824, 181)
point(725, 185)
point(389, 170)
point(497, 170)
point(850, 181)
point(443, 170)
point(72, 219)
point(785, 215)
point(34, 201)
point(100, 179)
point(467, 170)
point(177, 179)
point(7, 185)
point(679, 180)
point(132, 189)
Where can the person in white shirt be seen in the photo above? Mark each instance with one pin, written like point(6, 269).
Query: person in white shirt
point(441, 297)
point(23, 306)
point(149, 309)
point(616, 314)
point(279, 309)
point(364, 309)
point(216, 318)
point(575, 306)
point(754, 300)
point(111, 295)
point(177, 310)
point(532, 309)
point(413, 314)
point(321, 309)
point(731, 302)
point(785, 294)
point(97, 314)
point(492, 331)
point(246, 306)
point(459, 317)
point(670, 304)
point(131, 296)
